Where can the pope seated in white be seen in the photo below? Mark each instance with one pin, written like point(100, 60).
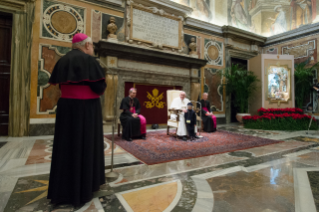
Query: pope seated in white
point(180, 103)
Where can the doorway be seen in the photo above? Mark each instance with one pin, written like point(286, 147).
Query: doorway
point(243, 64)
point(5, 66)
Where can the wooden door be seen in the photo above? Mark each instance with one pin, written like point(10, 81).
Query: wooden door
point(5, 64)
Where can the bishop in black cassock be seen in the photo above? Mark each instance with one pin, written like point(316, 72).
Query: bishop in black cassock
point(208, 117)
point(77, 166)
point(134, 124)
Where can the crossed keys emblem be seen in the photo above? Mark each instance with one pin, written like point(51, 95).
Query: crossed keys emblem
point(155, 100)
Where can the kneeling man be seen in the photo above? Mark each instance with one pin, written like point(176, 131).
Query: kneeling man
point(134, 124)
point(180, 103)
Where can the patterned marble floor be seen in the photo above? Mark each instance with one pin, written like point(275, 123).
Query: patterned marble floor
point(278, 177)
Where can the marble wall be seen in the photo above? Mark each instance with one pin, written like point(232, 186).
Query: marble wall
point(57, 21)
point(48, 95)
point(55, 24)
point(212, 49)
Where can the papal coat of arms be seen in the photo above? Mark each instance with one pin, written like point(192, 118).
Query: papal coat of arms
point(155, 100)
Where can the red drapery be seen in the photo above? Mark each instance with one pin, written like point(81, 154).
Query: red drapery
point(153, 101)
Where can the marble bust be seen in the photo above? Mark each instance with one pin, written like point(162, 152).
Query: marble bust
point(193, 47)
point(112, 28)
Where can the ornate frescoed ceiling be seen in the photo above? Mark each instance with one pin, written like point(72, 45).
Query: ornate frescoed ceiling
point(263, 17)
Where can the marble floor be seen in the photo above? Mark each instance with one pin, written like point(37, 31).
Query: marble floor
point(274, 178)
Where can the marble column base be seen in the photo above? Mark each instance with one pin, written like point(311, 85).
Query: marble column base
point(41, 129)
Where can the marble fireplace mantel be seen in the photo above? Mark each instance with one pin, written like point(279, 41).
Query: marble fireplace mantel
point(132, 63)
point(133, 52)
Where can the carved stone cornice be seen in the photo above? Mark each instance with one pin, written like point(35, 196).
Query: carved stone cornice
point(303, 31)
point(115, 2)
point(203, 26)
point(13, 5)
point(238, 53)
point(243, 36)
point(167, 5)
point(117, 5)
point(133, 52)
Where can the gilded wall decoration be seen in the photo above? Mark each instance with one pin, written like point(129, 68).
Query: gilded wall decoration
point(213, 52)
point(302, 51)
point(61, 21)
point(213, 86)
point(48, 95)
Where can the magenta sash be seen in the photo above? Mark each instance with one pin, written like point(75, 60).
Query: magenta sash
point(77, 92)
point(142, 121)
point(213, 117)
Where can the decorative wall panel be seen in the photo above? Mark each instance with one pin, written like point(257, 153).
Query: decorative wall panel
point(213, 52)
point(213, 86)
point(61, 21)
point(302, 51)
point(96, 25)
point(48, 95)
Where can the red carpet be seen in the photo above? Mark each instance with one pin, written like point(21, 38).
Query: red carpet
point(160, 148)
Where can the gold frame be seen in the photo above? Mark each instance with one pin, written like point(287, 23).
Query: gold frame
point(288, 84)
point(165, 15)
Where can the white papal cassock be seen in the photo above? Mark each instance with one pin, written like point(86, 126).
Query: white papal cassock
point(179, 104)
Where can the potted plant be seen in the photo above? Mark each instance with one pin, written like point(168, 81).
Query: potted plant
point(303, 81)
point(242, 84)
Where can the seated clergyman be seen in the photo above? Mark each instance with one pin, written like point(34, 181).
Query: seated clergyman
point(208, 118)
point(134, 124)
point(180, 103)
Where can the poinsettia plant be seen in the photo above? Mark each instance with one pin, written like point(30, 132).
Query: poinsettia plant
point(280, 119)
point(262, 111)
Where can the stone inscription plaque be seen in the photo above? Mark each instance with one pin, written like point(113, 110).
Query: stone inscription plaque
point(153, 28)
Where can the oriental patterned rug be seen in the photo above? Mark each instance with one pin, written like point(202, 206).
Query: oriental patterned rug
point(160, 147)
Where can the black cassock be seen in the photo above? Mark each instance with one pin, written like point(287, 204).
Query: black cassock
point(77, 166)
point(131, 125)
point(190, 120)
point(207, 120)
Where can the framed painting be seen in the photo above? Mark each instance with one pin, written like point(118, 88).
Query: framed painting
point(279, 85)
